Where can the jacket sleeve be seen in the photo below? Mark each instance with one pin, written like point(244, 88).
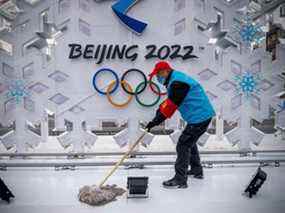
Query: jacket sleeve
point(177, 93)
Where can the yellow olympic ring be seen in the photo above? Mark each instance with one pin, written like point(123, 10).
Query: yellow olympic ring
point(109, 89)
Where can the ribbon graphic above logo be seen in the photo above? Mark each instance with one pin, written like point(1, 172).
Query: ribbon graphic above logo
point(121, 8)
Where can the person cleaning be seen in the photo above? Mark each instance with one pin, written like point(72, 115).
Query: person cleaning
point(188, 97)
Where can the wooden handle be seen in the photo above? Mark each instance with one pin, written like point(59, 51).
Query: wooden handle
point(121, 160)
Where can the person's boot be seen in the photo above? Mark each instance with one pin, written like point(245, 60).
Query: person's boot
point(196, 172)
point(174, 183)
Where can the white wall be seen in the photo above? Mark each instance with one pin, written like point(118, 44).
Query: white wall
point(105, 28)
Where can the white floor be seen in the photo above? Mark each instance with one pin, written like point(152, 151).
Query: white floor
point(47, 190)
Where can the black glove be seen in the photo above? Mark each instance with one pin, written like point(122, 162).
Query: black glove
point(150, 125)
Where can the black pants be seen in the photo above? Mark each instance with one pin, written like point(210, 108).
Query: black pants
point(187, 150)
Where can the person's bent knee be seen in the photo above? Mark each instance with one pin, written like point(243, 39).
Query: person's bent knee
point(181, 147)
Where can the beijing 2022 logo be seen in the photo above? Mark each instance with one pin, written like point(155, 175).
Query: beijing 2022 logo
point(121, 8)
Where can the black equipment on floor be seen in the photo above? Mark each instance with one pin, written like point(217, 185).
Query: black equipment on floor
point(256, 182)
point(5, 193)
point(137, 187)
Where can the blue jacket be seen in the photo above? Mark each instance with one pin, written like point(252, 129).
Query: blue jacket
point(196, 106)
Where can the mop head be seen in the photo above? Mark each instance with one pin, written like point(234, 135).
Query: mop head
point(95, 196)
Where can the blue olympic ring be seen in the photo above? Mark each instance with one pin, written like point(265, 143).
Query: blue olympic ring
point(113, 73)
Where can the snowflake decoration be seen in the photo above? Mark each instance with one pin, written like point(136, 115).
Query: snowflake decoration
point(249, 32)
point(17, 90)
point(282, 106)
point(248, 83)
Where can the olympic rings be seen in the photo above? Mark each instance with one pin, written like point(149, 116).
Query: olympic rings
point(140, 102)
point(113, 86)
point(109, 89)
point(153, 89)
point(144, 82)
point(113, 73)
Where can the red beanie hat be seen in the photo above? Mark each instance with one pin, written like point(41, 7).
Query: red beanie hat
point(159, 66)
